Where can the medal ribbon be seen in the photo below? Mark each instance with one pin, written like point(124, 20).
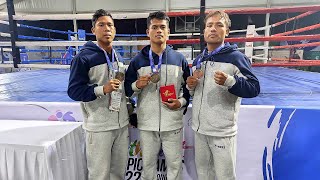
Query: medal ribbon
point(155, 69)
point(110, 65)
point(198, 66)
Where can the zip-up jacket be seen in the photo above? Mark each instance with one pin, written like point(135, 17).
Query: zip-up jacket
point(152, 114)
point(215, 107)
point(88, 73)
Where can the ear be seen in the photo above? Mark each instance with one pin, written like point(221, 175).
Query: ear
point(147, 31)
point(227, 32)
point(93, 30)
point(168, 30)
point(115, 30)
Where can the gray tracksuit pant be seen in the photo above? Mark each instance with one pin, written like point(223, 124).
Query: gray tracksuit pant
point(215, 157)
point(107, 154)
point(171, 142)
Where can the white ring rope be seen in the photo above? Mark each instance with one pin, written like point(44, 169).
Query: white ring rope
point(179, 34)
point(259, 55)
point(233, 31)
point(40, 66)
point(73, 43)
point(37, 17)
point(261, 58)
point(4, 22)
point(5, 35)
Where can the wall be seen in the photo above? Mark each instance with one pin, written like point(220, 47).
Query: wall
point(60, 6)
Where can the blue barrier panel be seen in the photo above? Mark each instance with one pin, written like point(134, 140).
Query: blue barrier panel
point(81, 35)
point(23, 56)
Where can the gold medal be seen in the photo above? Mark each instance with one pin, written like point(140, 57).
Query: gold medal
point(198, 73)
point(119, 76)
point(155, 77)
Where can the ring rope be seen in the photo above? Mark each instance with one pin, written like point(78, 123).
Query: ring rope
point(308, 28)
point(172, 41)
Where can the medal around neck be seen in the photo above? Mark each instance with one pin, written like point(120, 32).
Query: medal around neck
point(198, 73)
point(155, 77)
point(119, 76)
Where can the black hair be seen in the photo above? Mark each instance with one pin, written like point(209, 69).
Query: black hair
point(158, 15)
point(223, 16)
point(99, 13)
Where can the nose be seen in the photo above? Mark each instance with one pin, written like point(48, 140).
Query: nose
point(213, 29)
point(107, 28)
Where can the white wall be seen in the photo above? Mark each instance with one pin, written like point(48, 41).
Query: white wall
point(44, 6)
point(89, 6)
point(294, 2)
point(191, 4)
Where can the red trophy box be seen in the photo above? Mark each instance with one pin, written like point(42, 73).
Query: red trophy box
point(168, 92)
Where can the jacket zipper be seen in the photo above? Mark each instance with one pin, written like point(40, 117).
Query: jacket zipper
point(120, 108)
point(204, 75)
point(119, 119)
point(159, 107)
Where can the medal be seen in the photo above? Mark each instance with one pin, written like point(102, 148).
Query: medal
point(119, 76)
point(155, 77)
point(114, 70)
point(198, 73)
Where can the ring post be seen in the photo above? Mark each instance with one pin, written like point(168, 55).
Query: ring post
point(13, 33)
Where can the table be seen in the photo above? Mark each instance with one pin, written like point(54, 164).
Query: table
point(41, 150)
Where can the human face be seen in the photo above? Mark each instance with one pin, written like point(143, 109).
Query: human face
point(216, 30)
point(158, 31)
point(104, 30)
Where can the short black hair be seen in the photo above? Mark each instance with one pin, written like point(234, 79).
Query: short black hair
point(158, 15)
point(99, 13)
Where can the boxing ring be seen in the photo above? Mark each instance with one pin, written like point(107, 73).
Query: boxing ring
point(287, 109)
point(277, 130)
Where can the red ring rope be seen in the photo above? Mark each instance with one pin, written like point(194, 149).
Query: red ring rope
point(252, 11)
point(251, 39)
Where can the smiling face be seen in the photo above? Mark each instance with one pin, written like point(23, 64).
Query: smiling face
point(158, 31)
point(216, 30)
point(104, 30)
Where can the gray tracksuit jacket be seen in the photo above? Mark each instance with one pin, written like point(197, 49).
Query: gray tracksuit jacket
point(215, 107)
point(88, 73)
point(152, 114)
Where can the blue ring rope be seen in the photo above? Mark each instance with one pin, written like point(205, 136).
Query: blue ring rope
point(38, 38)
point(48, 30)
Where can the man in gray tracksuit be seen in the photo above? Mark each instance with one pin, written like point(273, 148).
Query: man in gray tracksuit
point(221, 76)
point(96, 76)
point(160, 123)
